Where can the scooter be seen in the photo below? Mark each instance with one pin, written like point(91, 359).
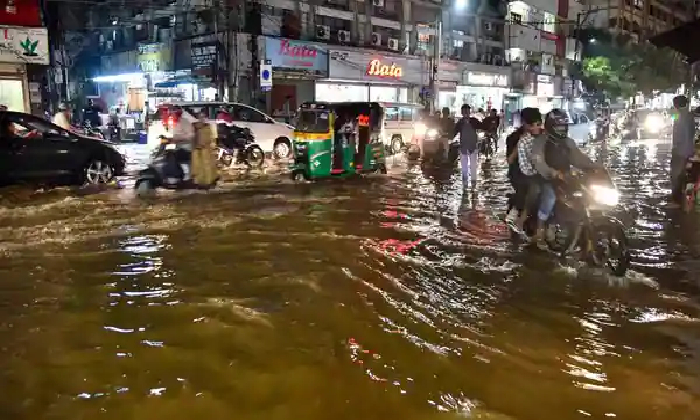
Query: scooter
point(237, 145)
point(168, 169)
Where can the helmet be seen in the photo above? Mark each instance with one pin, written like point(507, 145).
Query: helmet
point(556, 124)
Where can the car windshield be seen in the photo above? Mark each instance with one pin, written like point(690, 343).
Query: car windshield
point(313, 121)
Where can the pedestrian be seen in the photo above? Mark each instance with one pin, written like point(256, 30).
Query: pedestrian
point(62, 117)
point(683, 146)
point(466, 128)
point(204, 171)
point(532, 125)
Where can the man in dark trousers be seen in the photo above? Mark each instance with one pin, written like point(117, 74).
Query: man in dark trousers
point(683, 146)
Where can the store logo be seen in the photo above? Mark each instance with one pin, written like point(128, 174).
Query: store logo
point(376, 68)
point(486, 79)
point(29, 47)
point(302, 51)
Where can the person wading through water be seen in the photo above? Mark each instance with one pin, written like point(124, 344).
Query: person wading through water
point(204, 171)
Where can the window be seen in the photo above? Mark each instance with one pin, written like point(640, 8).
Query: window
point(247, 114)
point(391, 114)
point(406, 114)
point(516, 18)
point(549, 23)
point(21, 126)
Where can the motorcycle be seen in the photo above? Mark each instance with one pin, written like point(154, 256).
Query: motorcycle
point(580, 222)
point(237, 145)
point(168, 169)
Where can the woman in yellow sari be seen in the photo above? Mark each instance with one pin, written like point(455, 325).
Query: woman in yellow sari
point(204, 171)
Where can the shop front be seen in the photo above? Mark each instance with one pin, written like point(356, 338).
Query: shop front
point(484, 89)
point(19, 48)
point(372, 76)
point(547, 94)
point(296, 66)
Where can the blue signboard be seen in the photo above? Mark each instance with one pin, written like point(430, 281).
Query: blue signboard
point(289, 54)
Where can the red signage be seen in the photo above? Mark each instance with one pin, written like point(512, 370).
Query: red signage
point(298, 51)
point(20, 13)
point(376, 68)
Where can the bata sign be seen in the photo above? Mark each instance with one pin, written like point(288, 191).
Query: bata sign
point(296, 55)
point(376, 68)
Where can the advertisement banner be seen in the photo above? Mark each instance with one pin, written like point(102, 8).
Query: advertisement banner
point(24, 45)
point(294, 55)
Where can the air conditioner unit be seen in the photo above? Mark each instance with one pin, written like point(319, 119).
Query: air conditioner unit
point(378, 3)
point(393, 44)
point(344, 36)
point(488, 26)
point(376, 38)
point(323, 32)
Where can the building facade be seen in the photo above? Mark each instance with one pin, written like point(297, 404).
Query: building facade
point(24, 54)
point(486, 53)
point(639, 18)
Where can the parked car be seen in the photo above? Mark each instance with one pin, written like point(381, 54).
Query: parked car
point(35, 151)
point(581, 128)
point(273, 136)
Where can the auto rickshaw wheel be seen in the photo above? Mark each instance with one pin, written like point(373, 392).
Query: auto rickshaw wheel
point(299, 175)
point(381, 169)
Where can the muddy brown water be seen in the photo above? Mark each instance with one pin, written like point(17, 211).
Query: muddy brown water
point(394, 297)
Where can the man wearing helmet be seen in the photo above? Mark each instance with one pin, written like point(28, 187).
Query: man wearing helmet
point(552, 155)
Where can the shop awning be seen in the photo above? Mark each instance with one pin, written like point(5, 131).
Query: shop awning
point(681, 39)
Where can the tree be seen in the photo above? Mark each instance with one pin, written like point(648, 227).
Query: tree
point(620, 66)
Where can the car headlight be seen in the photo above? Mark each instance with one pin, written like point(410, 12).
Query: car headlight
point(420, 129)
point(653, 124)
point(605, 195)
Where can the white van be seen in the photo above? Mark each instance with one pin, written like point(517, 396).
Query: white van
point(399, 124)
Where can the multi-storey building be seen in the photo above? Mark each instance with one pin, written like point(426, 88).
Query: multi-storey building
point(379, 50)
point(639, 18)
point(24, 54)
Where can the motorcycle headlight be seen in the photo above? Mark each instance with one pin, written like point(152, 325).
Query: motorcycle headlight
point(653, 123)
point(605, 195)
point(420, 129)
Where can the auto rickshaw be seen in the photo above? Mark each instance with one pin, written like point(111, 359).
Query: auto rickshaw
point(338, 139)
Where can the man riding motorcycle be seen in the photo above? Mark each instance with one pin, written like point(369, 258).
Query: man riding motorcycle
point(552, 156)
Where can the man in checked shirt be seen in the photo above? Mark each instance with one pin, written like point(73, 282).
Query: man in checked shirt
point(545, 158)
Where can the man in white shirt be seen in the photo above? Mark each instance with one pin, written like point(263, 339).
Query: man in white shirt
point(62, 117)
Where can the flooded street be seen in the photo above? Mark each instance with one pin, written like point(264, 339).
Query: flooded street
point(394, 297)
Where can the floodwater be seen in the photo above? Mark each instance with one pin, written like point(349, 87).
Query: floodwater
point(394, 297)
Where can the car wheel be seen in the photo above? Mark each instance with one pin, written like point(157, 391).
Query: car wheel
point(98, 172)
point(396, 144)
point(282, 148)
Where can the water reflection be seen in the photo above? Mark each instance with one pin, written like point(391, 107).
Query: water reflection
point(397, 297)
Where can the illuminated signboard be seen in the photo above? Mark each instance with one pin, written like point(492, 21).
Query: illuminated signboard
point(376, 68)
point(486, 79)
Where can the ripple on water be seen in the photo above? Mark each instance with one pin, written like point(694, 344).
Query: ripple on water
point(398, 297)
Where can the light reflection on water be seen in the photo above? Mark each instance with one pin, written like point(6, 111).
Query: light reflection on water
point(396, 298)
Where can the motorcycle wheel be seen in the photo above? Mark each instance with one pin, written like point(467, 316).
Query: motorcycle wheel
point(611, 249)
point(254, 156)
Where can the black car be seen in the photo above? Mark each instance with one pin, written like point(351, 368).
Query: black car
point(35, 151)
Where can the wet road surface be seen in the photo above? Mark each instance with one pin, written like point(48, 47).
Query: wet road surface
point(395, 297)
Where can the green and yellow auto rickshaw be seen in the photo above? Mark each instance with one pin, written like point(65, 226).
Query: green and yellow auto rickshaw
point(338, 139)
